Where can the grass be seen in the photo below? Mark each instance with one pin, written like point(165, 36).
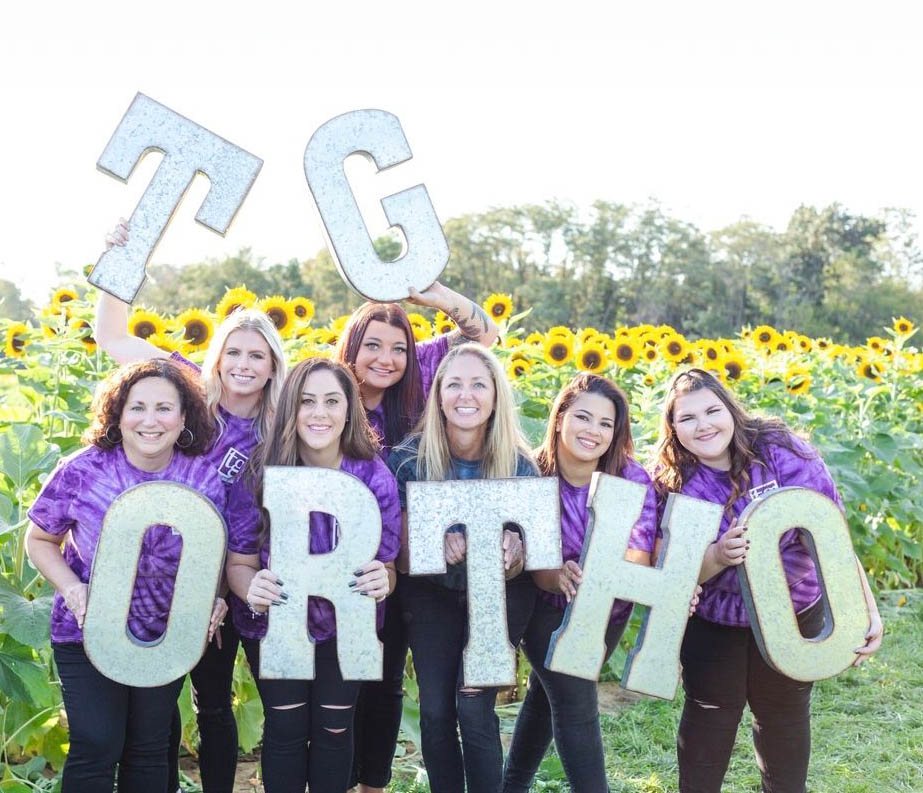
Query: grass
point(867, 727)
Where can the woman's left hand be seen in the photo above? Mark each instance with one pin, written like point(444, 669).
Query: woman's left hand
point(372, 580)
point(219, 611)
point(872, 639)
point(512, 553)
point(431, 297)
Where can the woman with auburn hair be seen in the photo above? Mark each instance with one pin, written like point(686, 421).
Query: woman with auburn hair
point(150, 423)
point(307, 737)
point(588, 431)
point(469, 430)
point(395, 374)
point(242, 376)
point(711, 448)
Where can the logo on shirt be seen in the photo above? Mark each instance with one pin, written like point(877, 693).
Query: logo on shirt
point(232, 465)
point(763, 489)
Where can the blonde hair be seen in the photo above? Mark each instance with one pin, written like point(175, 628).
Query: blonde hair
point(504, 442)
point(257, 321)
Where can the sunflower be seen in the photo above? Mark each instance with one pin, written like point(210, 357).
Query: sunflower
point(84, 331)
point(238, 297)
point(164, 341)
point(422, 330)
point(16, 339)
point(511, 342)
point(585, 334)
point(561, 330)
point(197, 326)
point(650, 354)
point(765, 336)
point(823, 344)
point(144, 324)
point(498, 306)
point(870, 369)
point(711, 351)
point(798, 379)
point(877, 343)
point(518, 367)
point(443, 323)
point(626, 351)
point(279, 310)
point(803, 343)
point(591, 357)
point(53, 320)
point(558, 349)
point(302, 308)
point(535, 339)
point(735, 366)
point(63, 295)
point(781, 345)
point(674, 347)
point(903, 327)
point(649, 380)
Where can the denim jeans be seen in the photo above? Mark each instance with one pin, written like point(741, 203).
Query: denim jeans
point(559, 705)
point(437, 624)
point(381, 703)
point(113, 725)
point(723, 670)
point(310, 744)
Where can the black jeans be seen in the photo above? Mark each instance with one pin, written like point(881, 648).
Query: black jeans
point(212, 678)
point(723, 671)
point(559, 705)
point(381, 703)
point(113, 725)
point(437, 623)
point(310, 744)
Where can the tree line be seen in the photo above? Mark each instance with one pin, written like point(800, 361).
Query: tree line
point(828, 273)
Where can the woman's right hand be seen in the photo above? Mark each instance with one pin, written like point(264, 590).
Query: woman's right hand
point(75, 598)
point(456, 546)
point(732, 546)
point(118, 235)
point(265, 590)
point(569, 578)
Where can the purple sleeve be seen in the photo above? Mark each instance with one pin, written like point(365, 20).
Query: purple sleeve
point(803, 468)
point(182, 360)
point(51, 510)
point(644, 532)
point(429, 355)
point(383, 485)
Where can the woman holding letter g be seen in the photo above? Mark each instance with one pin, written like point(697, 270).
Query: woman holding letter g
point(308, 729)
point(588, 431)
point(711, 448)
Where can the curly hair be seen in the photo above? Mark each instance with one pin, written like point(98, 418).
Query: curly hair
point(112, 394)
point(614, 459)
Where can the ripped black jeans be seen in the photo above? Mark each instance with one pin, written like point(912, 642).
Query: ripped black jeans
point(723, 671)
point(437, 624)
point(311, 744)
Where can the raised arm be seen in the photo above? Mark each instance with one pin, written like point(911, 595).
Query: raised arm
point(472, 321)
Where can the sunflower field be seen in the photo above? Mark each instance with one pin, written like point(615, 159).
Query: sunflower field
point(862, 406)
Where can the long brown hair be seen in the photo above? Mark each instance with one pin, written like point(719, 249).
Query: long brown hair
point(621, 448)
point(403, 401)
point(675, 464)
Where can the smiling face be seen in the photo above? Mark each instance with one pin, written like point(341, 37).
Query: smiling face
point(321, 417)
point(245, 364)
point(704, 427)
point(382, 358)
point(585, 430)
point(467, 394)
point(151, 421)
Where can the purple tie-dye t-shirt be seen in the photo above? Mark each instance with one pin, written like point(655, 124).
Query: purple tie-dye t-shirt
point(429, 355)
point(374, 474)
point(74, 501)
point(721, 601)
point(575, 515)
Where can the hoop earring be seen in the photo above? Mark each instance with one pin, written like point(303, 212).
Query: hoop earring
point(189, 442)
point(111, 430)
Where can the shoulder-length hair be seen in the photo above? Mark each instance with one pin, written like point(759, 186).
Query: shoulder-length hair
point(620, 449)
point(674, 464)
point(358, 438)
point(258, 322)
point(402, 402)
point(112, 394)
point(504, 442)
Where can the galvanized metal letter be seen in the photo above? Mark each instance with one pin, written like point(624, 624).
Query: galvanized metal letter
point(108, 643)
point(577, 648)
point(290, 495)
point(188, 149)
point(766, 592)
point(483, 506)
point(378, 136)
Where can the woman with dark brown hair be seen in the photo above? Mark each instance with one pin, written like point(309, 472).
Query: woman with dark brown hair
point(150, 423)
point(308, 737)
point(395, 374)
point(711, 448)
point(588, 431)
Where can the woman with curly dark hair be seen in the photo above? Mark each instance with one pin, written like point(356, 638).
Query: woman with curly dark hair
point(150, 423)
